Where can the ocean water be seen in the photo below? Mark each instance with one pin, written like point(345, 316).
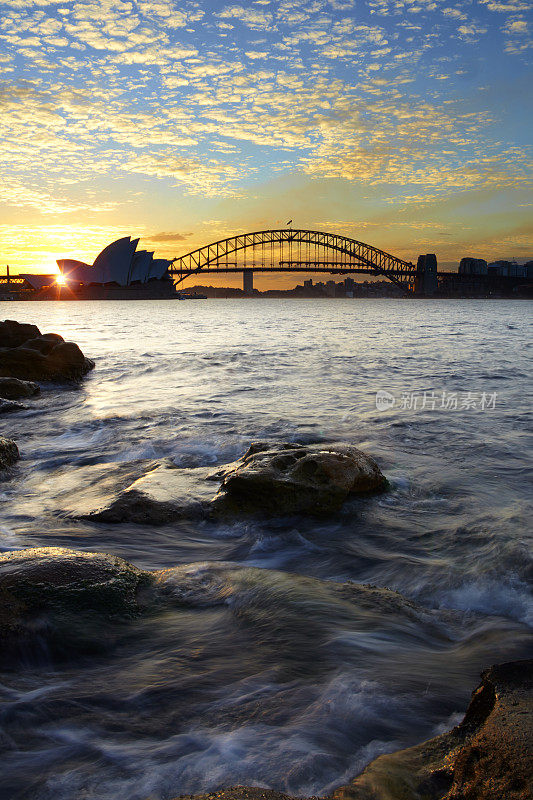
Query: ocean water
point(273, 674)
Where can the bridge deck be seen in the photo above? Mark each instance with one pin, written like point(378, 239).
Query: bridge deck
point(332, 269)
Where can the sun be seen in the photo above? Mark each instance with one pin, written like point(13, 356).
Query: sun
point(61, 280)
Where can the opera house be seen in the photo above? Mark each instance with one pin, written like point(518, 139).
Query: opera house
point(119, 264)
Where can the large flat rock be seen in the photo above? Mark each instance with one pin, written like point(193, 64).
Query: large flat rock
point(163, 494)
point(270, 480)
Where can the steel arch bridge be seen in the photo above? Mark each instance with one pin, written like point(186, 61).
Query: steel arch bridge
point(292, 250)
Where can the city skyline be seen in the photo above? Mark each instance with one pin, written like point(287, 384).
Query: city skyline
point(402, 124)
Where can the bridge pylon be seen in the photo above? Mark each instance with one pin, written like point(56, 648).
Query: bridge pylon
point(426, 275)
point(248, 282)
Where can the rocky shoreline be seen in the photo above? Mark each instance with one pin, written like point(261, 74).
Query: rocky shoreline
point(71, 602)
point(63, 599)
point(488, 756)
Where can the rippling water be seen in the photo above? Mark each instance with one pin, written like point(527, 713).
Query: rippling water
point(274, 674)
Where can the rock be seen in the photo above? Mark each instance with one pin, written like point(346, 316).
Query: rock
point(293, 478)
point(11, 405)
point(9, 453)
point(64, 596)
point(487, 757)
point(13, 334)
point(271, 479)
point(240, 793)
point(163, 495)
point(29, 356)
point(13, 388)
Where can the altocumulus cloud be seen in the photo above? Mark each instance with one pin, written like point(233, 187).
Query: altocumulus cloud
point(212, 99)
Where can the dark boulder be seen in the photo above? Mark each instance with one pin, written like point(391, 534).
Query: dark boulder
point(13, 388)
point(29, 356)
point(13, 334)
point(294, 478)
point(64, 598)
point(9, 453)
point(7, 406)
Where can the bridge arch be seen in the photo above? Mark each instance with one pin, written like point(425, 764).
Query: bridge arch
point(293, 250)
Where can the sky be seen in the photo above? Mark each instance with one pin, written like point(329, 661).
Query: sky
point(405, 124)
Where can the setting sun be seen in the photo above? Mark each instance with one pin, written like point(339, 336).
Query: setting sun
point(61, 280)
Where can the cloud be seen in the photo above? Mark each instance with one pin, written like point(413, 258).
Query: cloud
point(167, 236)
point(107, 103)
point(254, 18)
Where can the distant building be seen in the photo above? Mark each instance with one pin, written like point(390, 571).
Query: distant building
point(117, 264)
point(500, 268)
point(38, 281)
point(473, 266)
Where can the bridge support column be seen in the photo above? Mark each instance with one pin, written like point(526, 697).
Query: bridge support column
point(248, 281)
point(426, 277)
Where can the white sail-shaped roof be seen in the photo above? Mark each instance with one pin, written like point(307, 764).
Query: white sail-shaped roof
point(76, 271)
point(113, 264)
point(159, 267)
point(140, 269)
point(117, 263)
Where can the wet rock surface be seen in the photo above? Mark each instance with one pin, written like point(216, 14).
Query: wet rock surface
point(487, 757)
point(291, 478)
point(240, 793)
point(28, 355)
point(9, 453)
point(269, 479)
point(166, 493)
point(56, 602)
point(61, 597)
point(14, 389)
point(7, 406)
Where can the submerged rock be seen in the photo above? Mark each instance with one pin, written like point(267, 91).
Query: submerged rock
point(164, 494)
point(13, 388)
point(6, 406)
point(9, 453)
point(62, 596)
point(240, 793)
point(487, 757)
point(29, 356)
point(293, 478)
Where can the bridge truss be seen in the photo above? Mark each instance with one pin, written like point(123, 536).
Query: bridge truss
point(292, 250)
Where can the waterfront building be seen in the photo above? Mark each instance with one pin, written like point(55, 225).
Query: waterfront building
point(119, 263)
point(473, 266)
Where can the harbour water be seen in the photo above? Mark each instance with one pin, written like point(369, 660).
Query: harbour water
point(273, 673)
